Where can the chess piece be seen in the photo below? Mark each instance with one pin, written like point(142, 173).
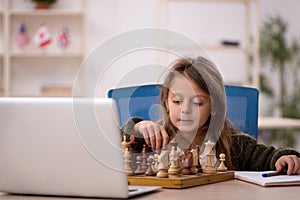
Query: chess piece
point(124, 143)
point(195, 159)
point(155, 163)
point(222, 167)
point(132, 144)
point(199, 168)
point(127, 161)
point(144, 158)
point(150, 162)
point(174, 169)
point(163, 164)
point(209, 167)
point(133, 151)
point(187, 163)
point(139, 169)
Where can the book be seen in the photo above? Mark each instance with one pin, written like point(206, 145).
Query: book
point(257, 178)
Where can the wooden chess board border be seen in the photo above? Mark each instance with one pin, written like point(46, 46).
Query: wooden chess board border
point(184, 181)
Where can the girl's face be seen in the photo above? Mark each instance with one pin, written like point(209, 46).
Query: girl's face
point(189, 106)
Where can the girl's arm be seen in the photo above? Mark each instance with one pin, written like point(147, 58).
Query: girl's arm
point(127, 130)
point(248, 155)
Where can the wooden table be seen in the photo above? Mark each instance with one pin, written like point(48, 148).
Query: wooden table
point(228, 190)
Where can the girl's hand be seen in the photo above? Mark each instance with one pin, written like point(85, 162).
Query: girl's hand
point(154, 134)
point(292, 161)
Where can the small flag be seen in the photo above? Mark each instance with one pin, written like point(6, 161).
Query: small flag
point(22, 38)
point(42, 36)
point(63, 38)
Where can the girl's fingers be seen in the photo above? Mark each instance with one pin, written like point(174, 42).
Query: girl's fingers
point(146, 137)
point(154, 134)
point(291, 161)
point(165, 137)
point(296, 164)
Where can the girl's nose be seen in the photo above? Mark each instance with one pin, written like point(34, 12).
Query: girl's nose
point(185, 108)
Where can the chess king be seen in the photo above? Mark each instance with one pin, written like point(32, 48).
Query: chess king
point(194, 112)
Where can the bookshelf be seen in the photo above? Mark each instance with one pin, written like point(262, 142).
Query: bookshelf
point(34, 71)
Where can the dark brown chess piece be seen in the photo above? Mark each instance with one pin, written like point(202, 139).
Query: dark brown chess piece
point(199, 168)
point(144, 158)
point(187, 163)
point(133, 151)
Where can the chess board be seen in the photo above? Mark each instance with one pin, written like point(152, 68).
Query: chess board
point(183, 181)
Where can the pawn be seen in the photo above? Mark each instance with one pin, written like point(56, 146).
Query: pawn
point(139, 169)
point(222, 167)
point(150, 171)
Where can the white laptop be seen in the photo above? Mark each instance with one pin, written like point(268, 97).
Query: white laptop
point(62, 147)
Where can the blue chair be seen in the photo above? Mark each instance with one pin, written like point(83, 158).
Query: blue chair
point(242, 108)
point(140, 101)
point(143, 101)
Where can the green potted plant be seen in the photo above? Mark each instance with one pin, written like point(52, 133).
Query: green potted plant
point(284, 58)
point(43, 4)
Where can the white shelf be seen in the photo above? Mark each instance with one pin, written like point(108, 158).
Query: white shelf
point(25, 72)
point(212, 47)
point(226, 1)
point(269, 123)
point(47, 55)
point(48, 13)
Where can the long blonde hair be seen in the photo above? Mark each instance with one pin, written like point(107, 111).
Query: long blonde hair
point(206, 75)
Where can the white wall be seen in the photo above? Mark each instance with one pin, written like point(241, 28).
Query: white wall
point(201, 22)
point(288, 9)
point(109, 18)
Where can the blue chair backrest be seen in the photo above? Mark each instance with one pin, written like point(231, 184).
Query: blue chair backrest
point(242, 108)
point(139, 101)
point(143, 101)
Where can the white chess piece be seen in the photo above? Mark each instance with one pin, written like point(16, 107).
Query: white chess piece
point(163, 164)
point(222, 167)
point(195, 161)
point(127, 161)
point(174, 169)
point(209, 167)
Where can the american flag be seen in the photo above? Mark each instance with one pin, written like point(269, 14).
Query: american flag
point(22, 37)
point(63, 38)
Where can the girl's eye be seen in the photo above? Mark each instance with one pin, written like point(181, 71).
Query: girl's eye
point(176, 101)
point(198, 103)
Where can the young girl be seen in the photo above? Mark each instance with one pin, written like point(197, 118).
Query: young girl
point(193, 98)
